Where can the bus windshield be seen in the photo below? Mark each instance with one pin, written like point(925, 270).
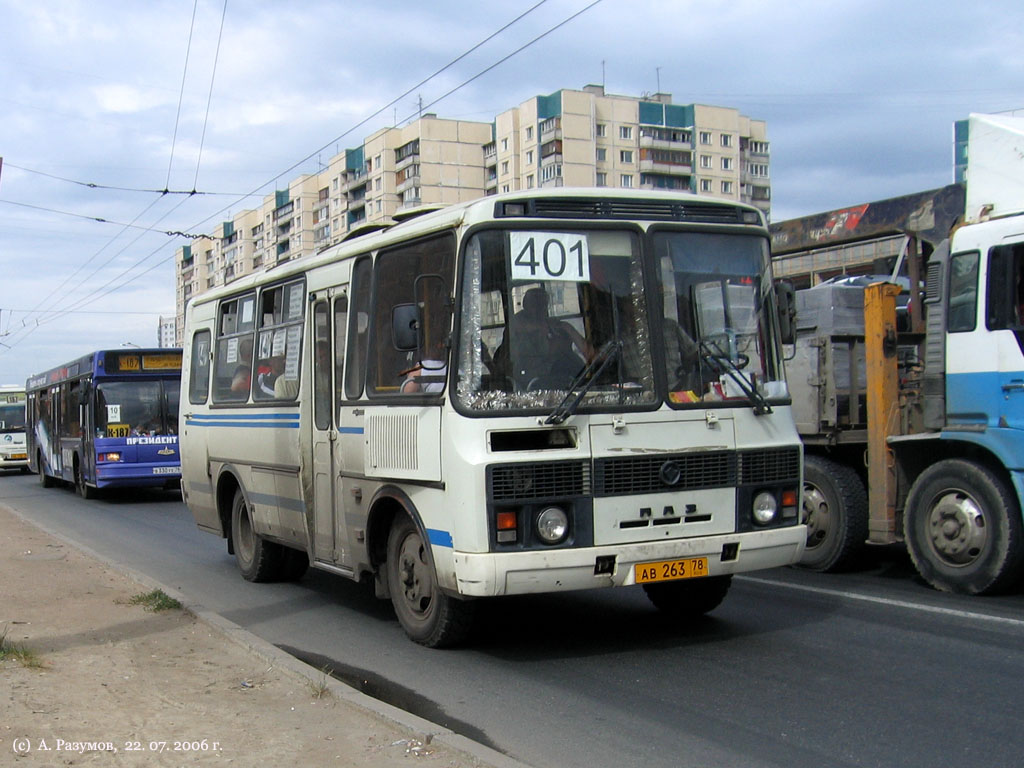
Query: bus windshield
point(714, 289)
point(12, 417)
point(134, 408)
point(545, 312)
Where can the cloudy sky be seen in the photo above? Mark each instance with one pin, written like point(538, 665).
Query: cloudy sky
point(102, 101)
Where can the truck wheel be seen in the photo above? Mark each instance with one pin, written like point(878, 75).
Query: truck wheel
point(835, 507)
point(258, 559)
point(962, 526)
point(689, 598)
point(428, 615)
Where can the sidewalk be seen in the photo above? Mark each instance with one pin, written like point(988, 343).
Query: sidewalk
point(172, 687)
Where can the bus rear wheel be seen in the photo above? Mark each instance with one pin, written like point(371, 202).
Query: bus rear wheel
point(689, 598)
point(84, 489)
point(258, 559)
point(429, 616)
point(44, 479)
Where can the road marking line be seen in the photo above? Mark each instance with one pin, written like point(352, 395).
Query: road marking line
point(887, 601)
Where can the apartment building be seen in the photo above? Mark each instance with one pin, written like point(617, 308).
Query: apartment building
point(590, 138)
point(570, 138)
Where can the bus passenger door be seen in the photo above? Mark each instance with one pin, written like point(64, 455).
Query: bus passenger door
point(329, 534)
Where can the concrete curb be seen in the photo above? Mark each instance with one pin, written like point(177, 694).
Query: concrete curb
point(424, 729)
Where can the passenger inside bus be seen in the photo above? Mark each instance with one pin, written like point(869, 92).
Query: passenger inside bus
point(538, 350)
point(243, 372)
point(428, 375)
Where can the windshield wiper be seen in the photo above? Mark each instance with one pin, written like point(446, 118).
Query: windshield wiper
point(720, 362)
point(584, 380)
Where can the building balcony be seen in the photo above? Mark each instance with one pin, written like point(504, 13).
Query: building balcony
point(406, 161)
point(411, 181)
point(672, 169)
point(655, 142)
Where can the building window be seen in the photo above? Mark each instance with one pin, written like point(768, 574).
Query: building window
point(726, 139)
point(626, 132)
point(602, 130)
point(529, 157)
point(626, 180)
point(705, 161)
point(705, 137)
point(626, 156)
point(602, 155)
point(705, 185)
point(726, 163)
point(602, 179)
point(504, 187)
point(726, 187)
point(504, 145)
point(376, 184)
point(529, 132)
point(759, 147)
point(529, 181)
point(504, 166)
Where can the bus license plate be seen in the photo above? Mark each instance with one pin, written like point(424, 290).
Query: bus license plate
point(166, 470)
point(670, 570)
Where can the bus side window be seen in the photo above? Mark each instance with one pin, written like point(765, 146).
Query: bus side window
point(340, 330)
point(232, 365)
point(419, 273)
point(359, 329)
point(199, 368)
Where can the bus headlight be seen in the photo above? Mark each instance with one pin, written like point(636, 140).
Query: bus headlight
point(765, 508)
point(552, 525)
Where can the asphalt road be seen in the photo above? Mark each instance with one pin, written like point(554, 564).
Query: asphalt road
point(795, 669)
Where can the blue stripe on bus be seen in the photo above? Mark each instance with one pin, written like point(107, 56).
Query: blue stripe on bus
point(255, 420)
point(439, 538)
point(243, 416)
point(350, 430)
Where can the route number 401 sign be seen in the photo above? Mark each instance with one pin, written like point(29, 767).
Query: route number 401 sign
point(549, 256)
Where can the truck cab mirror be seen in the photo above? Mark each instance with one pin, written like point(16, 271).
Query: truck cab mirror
point(785, 298)
point(405, 327)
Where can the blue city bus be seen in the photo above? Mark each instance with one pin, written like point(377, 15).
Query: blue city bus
point(106, 420)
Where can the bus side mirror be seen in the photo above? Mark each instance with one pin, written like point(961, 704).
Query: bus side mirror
point(405, 327)
point(785, 298)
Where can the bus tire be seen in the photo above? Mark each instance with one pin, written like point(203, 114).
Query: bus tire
point(835, 505)
point(429, 616)
point(258, 560)
point(44, 479)
point(689, 598)
point(84, 490)
point(295, 564)
point(962, 527)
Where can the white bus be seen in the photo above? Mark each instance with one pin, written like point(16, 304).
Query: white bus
point(539, 391)
point(13, 453)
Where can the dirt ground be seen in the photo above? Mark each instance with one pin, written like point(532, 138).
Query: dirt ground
point(117, 684)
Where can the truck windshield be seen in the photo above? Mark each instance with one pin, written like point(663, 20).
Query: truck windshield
point(12, 417)
point(539, 306)
point(717, 318)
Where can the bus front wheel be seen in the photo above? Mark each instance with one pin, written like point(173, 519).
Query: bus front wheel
point(257, 559)
point(428, 615)
point(689, 598)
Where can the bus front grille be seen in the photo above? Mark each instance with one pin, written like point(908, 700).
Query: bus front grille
point(664, 473)
point(770, 466)
point(538, 480)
